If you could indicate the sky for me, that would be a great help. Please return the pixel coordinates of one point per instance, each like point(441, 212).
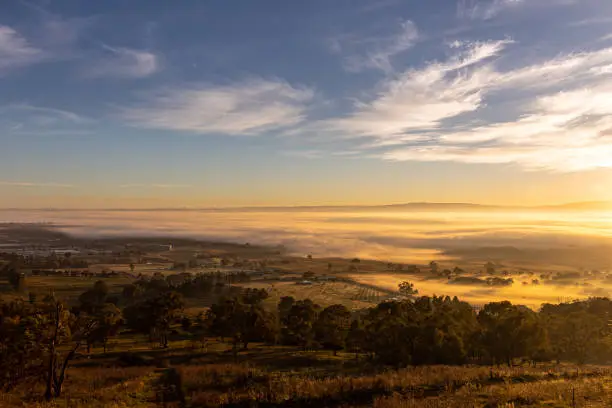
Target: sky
point(147, 104)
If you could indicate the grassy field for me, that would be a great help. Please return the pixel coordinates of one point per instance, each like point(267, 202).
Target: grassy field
point(69, 288)
point(529, 294)
point(353, 296)
point(145, 269)
point(323, 293)
point(186, 375)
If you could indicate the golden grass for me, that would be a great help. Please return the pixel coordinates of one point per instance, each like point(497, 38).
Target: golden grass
point(207, 381)
point(577, 393)
point(322, 293)
point(91, 387)
point(219, 385)
point(530, 295)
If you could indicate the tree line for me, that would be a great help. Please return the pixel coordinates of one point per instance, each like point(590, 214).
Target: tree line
point(39, 337)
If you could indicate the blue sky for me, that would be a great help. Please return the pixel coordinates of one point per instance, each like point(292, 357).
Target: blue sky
point(198, 103)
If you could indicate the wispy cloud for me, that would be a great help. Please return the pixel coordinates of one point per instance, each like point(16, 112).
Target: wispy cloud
point(568, 131)
point(34, 184)
point(26, 119)
point(484, 9)
point(246, 108)
point(423, 115)
point(58, 35)
point(45, 111)
point(382, 50)
point(375, 5)
point(420, 99)
point(488, 9)
point(162, 186)
point(552, 115)
point(16, 51)
point(124, 63)
point(591, 21)
point(307, 154)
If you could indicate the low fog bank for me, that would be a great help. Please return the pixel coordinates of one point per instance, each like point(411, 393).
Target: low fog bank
point(576, 239)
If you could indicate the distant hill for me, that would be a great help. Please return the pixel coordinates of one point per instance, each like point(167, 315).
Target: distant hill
point(412, 206)
point(428, 206)
point(581, 206)
point(442, 206)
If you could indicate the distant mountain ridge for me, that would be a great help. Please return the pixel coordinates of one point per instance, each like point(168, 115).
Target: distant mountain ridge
point(585, 205)
point(412, 206)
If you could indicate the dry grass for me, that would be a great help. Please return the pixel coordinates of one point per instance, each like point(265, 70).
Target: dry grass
point(576, 393)
point(70, 288)
point(91, 387)
point(209, 383)
point(324, 294)
point(235, 385)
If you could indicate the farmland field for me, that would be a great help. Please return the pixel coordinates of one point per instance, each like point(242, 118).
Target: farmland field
point(323, 293)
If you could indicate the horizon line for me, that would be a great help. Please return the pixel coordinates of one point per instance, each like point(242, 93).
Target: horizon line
point(338, 206)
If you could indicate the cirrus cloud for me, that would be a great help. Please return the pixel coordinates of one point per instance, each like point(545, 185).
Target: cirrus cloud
point(552, 115)
point(246, 108)
point(383, 49)
point(124, 63)
point(34, 184)
point(16, 51)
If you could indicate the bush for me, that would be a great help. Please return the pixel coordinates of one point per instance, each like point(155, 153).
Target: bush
point(130, 359)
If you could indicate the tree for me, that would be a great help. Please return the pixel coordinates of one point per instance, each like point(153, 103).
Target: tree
point(92, 300)
point(252, 296)
point(57, 329)
point(308, 275)
point(434, 330)
point(20, 353)
point(284, 308)
point(579, 331)
point(38, 342)
point(444, 330)
point(132, 267)
point(407, 289)
point(130, 292)
point(332, 326)
point(242, 322)
point(433, 265)
point(186, 323)
point(300, 323)
point(398, 322)
point(108, 321)
point(508, 331)
point(490, 268)
point(16, 279)
point(155, 315)
point(356, 338)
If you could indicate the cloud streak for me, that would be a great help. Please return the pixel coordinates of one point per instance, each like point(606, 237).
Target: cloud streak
point(484, 9)
point(60, 114)
point(16, 51)
point(34, 184)
point(554, 115)
point(247, 108)
point(488, 9)
point(24, 119)
point(383, 50)
point(124, 63)
point(420, 99)
point(162, 186)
